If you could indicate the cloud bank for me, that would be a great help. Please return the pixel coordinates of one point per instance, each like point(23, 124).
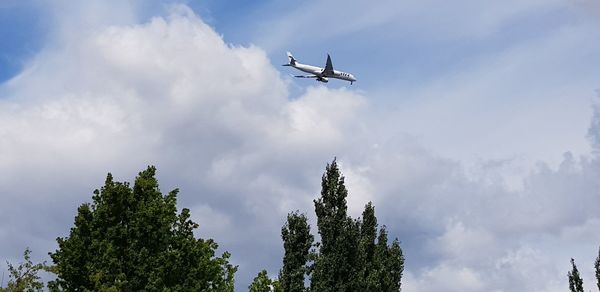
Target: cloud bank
point(219, 122)
point(215, 119)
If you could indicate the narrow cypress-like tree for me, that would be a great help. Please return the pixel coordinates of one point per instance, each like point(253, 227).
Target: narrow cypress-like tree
point(383, 279)
point(366, 247)
point(335, 266)
point(382, 264)
point(297, 242)
point(351, 255)
point(395, 265)
point(575, 281)
point(597, 267)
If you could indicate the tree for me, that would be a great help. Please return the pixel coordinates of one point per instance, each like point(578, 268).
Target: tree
point(25, 276)
point(366, 247)
point(575, 281)
point(597, 267)
point(389, 264)
point(395, 266)
point(262, 283)
point(297, 242)
point(351, 257)
point(132, 239)
point(382, 265)
point(335, 268)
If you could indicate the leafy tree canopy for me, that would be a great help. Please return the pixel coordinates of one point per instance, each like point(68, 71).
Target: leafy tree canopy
point(351, 255)
point(597, 268)
point(575, 281)
point(133, 239)
point(297, 242)
point(25, 276)
point(262, 283)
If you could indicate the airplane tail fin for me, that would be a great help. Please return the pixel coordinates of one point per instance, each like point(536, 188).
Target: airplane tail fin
point(291, 60)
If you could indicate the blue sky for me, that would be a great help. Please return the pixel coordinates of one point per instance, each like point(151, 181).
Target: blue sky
point(22, 34)
point(473, 126)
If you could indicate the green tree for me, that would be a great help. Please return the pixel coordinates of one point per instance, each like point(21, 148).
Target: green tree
point(389, 264)
point(351, 255)
point(25, 276)
point(597, 267)
point(297, 242)
point(382, 264)
point(132, 239)
point(335, 267)
point(262, 283)
point(395, 265)
point(575, 281)
point(366, 247)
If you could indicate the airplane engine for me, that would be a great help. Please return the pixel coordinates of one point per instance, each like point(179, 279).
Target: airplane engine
point(323, 79)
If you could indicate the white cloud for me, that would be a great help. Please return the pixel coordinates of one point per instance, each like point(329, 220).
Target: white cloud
point(215, 119)
point(218, 121)
point(492, 237)
point(446, 278)
point(510, 80)
point(460, 241)
point(526, 103)
point(213, 223)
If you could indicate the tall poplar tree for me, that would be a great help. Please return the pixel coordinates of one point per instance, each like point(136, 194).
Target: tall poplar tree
point(351, 256)
point(395, 265)
point(367, 276)
point(597, 268)
point(389, 263)
point(575, 281)
point(297, 242)
point(335, 268)
point(381, 264)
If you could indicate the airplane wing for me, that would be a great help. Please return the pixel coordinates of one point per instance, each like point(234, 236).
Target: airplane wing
point(328, 67)
point(318, 78)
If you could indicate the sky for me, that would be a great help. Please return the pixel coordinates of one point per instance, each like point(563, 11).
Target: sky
point(474, 128)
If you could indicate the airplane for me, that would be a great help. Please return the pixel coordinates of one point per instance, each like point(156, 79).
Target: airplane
point(320, 74)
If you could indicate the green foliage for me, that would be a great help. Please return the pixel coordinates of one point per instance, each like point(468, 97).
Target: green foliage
point(297, 241)
point(25, 276)
point(388, 265)
point(367, 276)
point(351, 257)
point(132, 239)
point(395, 266)
point(335, 268)
point(575, 281)
point(597, 267)
point(262, 283)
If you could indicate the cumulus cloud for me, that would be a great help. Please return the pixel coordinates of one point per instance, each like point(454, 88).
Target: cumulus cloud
point(219, 122)
point(215, 118)
point(446, 278)
point(492, 237)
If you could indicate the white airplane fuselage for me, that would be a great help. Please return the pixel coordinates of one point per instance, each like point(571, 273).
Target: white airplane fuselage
point(318, 70)
point(320, 74)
